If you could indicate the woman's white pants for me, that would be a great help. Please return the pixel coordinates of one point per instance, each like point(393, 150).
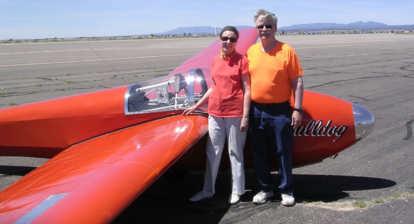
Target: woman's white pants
point(219, 129)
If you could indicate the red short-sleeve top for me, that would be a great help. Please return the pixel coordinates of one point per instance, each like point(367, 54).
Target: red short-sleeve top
point(226, 98)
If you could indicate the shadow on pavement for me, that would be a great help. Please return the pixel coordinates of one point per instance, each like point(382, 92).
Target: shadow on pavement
point(328, 188)
point(16, 170)
point(167, 202)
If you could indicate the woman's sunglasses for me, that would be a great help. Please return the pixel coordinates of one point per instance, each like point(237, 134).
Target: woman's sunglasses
point(232, 39)
point(267, 27)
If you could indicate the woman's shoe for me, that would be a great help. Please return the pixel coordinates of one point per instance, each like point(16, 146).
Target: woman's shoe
point(234, 198)
point(201, 195)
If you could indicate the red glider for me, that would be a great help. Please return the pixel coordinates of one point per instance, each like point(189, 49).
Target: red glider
point(107, 147)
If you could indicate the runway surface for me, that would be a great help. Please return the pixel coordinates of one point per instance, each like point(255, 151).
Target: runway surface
point(373, 70)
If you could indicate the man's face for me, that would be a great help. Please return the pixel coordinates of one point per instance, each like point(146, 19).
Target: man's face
point(266, 28)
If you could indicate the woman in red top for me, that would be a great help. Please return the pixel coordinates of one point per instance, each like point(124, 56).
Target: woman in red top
point(228, 106)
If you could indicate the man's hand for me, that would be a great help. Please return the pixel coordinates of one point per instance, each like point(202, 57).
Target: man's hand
point(296, 119)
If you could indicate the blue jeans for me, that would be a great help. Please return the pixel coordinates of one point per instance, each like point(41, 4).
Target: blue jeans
point(271, 123)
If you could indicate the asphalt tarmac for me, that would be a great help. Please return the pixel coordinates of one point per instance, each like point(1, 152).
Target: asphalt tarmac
point(370, 182)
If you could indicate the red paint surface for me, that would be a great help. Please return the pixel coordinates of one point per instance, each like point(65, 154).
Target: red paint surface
point(104, 175)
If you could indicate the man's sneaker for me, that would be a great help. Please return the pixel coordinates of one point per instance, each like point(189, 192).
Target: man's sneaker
point(201, 195)
point(262, 197)
point(234, 198)
point(288, 199)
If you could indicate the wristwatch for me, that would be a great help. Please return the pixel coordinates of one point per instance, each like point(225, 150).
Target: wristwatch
point(298, 110)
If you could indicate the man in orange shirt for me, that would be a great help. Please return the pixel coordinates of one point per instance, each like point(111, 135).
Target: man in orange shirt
point(275, 72)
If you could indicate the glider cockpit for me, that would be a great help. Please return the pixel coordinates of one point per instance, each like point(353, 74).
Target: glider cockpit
point(173, 92)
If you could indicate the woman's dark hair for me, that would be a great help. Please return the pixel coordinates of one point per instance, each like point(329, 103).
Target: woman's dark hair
point(230, 28)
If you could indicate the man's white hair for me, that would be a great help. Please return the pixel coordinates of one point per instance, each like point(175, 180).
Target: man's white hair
point(263, 13)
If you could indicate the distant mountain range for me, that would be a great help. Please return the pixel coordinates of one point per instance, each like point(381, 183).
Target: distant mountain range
point(351, 26)
point(299, 27)
point(198, 30)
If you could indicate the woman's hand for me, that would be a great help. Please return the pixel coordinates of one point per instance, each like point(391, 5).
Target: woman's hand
point(190, 110)
point(244, 124)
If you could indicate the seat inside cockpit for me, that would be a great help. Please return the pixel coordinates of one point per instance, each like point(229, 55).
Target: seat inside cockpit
point(172, 92)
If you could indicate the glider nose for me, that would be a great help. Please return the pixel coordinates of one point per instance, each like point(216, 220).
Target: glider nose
point(364, 121)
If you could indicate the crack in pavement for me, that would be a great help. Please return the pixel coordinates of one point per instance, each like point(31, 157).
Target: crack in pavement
point(409, 129)
point(42, 91)
point(353, 64)
point(410, 76)
point(18, 94)
point(47, 79)
point(360, 98)
point(392, 104)
point(346, 80)
point(404, 68)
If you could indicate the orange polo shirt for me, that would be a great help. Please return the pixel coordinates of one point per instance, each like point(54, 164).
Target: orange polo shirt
point(271, 72)
point(226, 99)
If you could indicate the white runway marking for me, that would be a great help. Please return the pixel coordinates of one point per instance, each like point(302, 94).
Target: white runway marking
point(93, 60)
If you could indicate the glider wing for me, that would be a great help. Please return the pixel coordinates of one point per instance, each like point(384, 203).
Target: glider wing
point(95, 180)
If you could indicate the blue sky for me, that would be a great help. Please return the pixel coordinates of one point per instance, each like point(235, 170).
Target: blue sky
point(20, 19)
